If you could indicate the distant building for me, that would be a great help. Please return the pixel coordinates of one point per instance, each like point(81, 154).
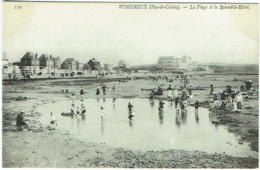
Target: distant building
point(108, 67)
point(46, 61)
point(122, 64)
point(94, 64)
point(4, 60)
point(30, 62)
point(79, 66)
point(69, 64)
point(30, 59)
point(87, 68)
point(171, 62)
point(65, 66)
point(56, 62)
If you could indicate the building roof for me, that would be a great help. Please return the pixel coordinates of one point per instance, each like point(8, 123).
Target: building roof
point(166, 57)
point(55, 58)
point(29, 55)
point(69, 60)
point(4, 57)
point(94, 61)
point(45, 56)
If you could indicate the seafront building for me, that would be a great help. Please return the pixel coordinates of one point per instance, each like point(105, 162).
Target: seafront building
point(174, 63)
point(123, 64)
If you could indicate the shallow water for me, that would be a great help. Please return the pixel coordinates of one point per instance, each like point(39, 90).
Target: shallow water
point(149, 131)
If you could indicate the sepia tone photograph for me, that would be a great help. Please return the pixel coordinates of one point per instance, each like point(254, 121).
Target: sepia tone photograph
point(130, 85)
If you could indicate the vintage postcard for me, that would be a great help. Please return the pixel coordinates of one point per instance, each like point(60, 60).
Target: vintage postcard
point(130, 85)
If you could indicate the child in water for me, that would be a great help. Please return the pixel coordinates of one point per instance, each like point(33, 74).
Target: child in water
point(72, 109)
point(53, 121)
point(131, 116)
point(114, 102)
point(83, 109)
point(130, 107)
point(196, 105)
point(78, 110)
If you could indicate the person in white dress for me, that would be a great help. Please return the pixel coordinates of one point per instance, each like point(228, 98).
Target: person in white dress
point(53, 121)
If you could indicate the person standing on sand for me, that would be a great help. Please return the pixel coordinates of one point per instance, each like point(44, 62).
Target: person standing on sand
point(239, 100)
point(211, 89)
point(81, 91)
point(53, 121)
point(114, 87)
point(104, 89)
point(98, 89)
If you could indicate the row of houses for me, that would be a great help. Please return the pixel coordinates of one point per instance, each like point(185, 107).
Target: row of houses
point(45, 63)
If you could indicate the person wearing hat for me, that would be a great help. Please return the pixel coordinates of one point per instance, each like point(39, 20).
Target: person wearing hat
point(20, 122)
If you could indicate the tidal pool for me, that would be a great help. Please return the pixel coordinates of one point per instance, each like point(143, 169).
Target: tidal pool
point(150, 130)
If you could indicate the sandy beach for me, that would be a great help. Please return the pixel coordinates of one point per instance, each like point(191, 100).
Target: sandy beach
point(40, 147)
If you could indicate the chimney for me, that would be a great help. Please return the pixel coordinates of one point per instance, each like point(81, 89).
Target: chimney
point(36, 55)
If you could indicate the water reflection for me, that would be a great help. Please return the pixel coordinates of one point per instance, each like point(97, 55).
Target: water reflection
point(184, 116)
point(152, 103)
point(83, 117)
point(177, 119)
point(102, 127)
point(197, 116)
point(98, 100)
point(104, 100)
point(78, 122)
point(161, 117)
point(139, 132)
point(212, 117)
point(114, 103)
point(130, 123)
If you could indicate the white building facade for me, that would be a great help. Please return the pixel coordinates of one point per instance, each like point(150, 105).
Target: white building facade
point(173, 63)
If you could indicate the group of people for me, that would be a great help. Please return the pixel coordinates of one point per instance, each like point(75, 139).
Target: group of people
point(104, 88)
point(229, 100)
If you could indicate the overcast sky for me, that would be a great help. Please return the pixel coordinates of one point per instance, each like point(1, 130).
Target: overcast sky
point(109, 34)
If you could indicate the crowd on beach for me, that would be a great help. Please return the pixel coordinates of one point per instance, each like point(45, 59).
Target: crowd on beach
point(228, 100)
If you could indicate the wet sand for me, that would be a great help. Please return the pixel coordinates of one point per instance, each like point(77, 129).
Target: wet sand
point(41, 147)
